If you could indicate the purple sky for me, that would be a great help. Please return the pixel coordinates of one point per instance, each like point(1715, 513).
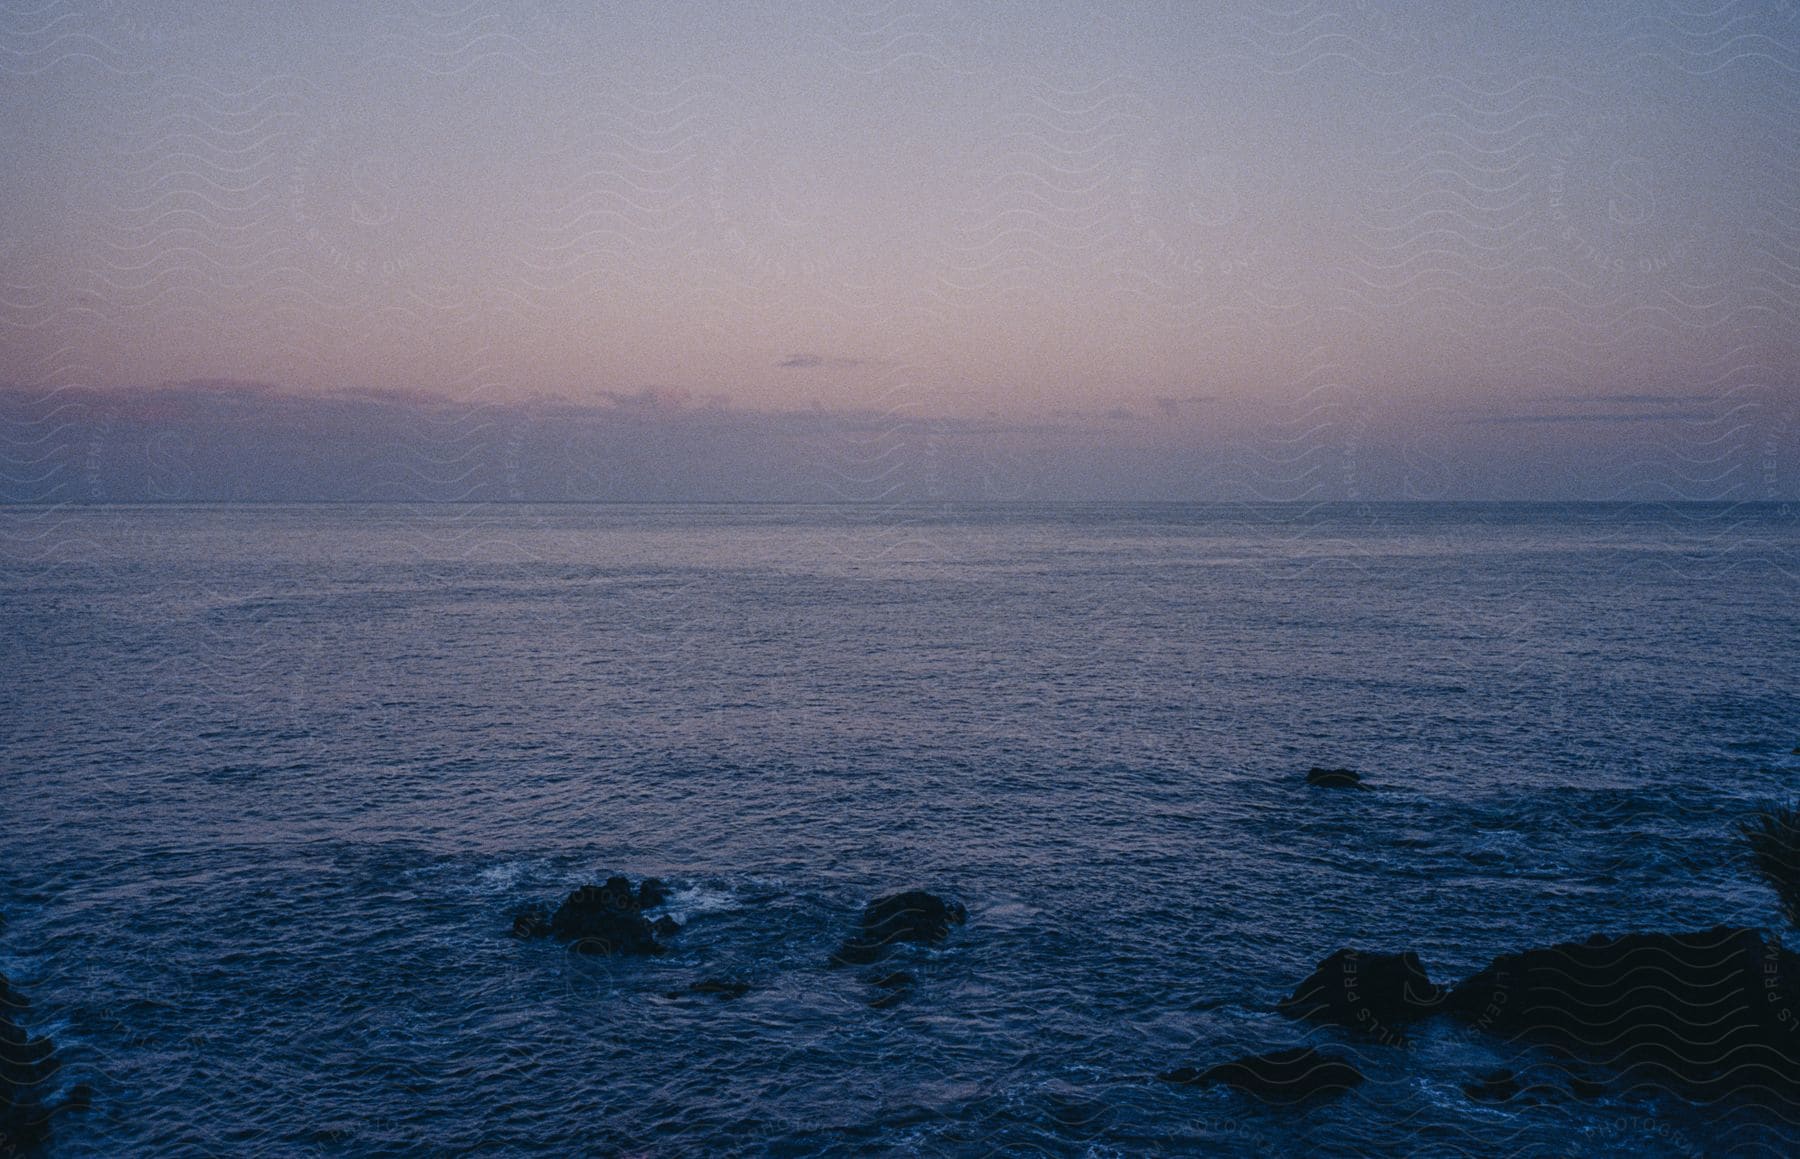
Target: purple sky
point(861, 250)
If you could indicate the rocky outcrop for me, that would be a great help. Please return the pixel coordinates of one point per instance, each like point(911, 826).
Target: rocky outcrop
point(1378, 994)
point(1333, 778)
point(607, 918)
point(28, 1064)
point(724, 989)
point(913, 916)
point(1284, 1076)
point(1718, 1008)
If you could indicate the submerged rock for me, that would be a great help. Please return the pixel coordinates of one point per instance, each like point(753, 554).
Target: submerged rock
point(1334, 778)
point(1376, 993)
point(1717, 1008)
point(895, 988)
point(1284, 1076)
point(603, 919)
point(724, 989)
point(913, 916)
point(1496, 1086)
point(27, 1065)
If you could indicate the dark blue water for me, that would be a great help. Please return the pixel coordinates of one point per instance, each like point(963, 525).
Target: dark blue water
point(275, 780)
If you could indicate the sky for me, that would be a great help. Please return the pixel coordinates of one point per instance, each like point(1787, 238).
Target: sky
point(909, 251)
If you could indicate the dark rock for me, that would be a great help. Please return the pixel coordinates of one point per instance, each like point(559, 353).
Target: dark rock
point(1375, 993)
point(1715, 1008)
point(913, 916)
point(11, 1001)
point(1285, 1076)
point(651, 893)
point(1334, 778)
point(1552, 1084)
point(532, 922)
point(721, 988)
point(604, 919)
point(1773, 837)
point(27, 1065)
point(618, 893)
point(1588, 1089)
point(1494, 1087)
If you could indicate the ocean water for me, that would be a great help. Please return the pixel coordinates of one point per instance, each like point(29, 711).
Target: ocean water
point(276, 779)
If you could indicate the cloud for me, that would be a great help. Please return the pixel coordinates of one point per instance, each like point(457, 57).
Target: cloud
point(1629, 399)
point(805, 361)
point(1169, 405)
point(1660, 416)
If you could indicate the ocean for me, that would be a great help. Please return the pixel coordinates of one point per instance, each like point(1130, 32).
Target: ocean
point(277, 778)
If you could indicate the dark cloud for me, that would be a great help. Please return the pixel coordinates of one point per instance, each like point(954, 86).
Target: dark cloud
point(804, 361)
point(1171, 405)
point(1660, 416)
point(1630, 399)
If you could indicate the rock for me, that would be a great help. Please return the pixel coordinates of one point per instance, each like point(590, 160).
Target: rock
point(1375, 993)
point(1772, 834)
point(27, 1065)
point(1285, 1076)
point(1715, 1008)
point(651, 893)
point(619, 894)
point(532, 922)
point(721, 988)
point(1553, 1084)
point(1334, 778)
point(604, 920)
point(1494, 1087)
point(1588, 1089)
point(601, 919)
point(913, 916)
